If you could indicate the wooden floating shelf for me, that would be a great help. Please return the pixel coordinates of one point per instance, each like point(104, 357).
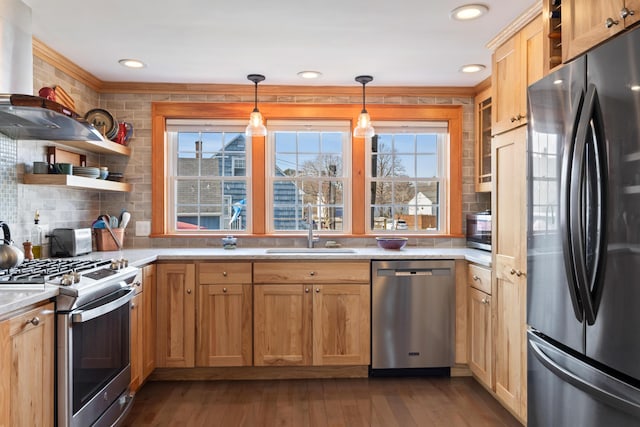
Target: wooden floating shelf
point(103, 147)
point(73, 181)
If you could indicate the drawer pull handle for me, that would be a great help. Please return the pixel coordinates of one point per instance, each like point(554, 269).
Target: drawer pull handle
point(484, 301)
point(610, 22)
point(224, 273)
point(475, 278)
point(624, 12)
point(35, 321)
point(189, 291)
point(224, 290)
point(313, 273)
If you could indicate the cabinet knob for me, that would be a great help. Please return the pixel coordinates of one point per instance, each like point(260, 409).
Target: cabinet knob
point(306, 290)
point(512, 272)
point(312, 273)
point(624, 12)
point(475, 278)
point(133, 305)
point(224, 290)
point(35, 321)
point(513, 119)
point(519, 273)
point(520, 117)
point(189, 291)
point(317, 290)
point(484, 301)
point(610, 22)
point(224, 273)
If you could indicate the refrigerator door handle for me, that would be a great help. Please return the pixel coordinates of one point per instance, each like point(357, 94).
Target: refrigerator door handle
point(587, 199)
point(565, 212)
point(586, 378)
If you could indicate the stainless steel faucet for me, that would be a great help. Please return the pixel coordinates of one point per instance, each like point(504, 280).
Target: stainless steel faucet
point(311, 239)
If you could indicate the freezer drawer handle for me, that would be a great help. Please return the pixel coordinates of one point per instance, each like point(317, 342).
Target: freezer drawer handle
point(612, 397)
point(414, 273)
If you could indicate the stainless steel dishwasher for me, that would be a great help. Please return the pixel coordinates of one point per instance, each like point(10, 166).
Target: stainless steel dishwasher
point(413, 316)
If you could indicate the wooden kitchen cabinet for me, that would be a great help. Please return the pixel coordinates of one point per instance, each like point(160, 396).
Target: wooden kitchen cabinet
point(311, 313)
point(483, 141)
point(224, 315)
point(517, 63)
point(27, 368)
point(143, 328)
point(149, 320)
point(136, 341)
point(508, 294)
point(480, 325)
point(587, 23)
point(176, 303)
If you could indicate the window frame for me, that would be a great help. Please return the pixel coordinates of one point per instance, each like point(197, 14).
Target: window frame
point(160, 111)
point(444, 175)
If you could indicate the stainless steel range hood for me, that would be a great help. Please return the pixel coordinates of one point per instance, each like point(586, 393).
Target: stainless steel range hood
point(33, 117)
point(27, 116)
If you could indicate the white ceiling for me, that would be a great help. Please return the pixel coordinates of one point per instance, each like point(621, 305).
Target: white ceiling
point(398, 42)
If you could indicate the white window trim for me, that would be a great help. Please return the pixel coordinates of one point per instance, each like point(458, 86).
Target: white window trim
point(315, 125)
point(443, 165)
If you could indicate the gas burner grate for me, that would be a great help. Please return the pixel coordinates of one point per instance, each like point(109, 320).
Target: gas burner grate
point(43, 270)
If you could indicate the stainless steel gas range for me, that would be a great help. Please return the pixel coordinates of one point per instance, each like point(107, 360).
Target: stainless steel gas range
point(92, 335)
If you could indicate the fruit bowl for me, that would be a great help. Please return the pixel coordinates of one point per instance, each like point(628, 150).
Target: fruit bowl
point(392, 242)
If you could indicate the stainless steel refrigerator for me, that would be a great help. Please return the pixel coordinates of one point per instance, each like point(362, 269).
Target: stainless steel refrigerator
point(583, 201)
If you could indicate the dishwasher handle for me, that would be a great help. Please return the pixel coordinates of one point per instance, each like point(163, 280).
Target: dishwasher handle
point(412, 272)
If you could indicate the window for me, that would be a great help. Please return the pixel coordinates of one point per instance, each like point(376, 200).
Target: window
point(208, 183)
point(408, 177)
point(213, 192)
point(307, 174)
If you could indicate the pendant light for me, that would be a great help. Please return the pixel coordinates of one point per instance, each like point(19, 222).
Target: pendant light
point(256, 123)
point(364, 128)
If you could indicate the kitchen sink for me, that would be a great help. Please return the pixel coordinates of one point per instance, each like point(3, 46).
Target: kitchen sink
point(310, 251)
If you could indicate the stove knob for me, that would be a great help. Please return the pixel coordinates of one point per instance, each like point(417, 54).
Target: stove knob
point(66, 280)
point(76, 277)
point(115, 265)
point(124, 262)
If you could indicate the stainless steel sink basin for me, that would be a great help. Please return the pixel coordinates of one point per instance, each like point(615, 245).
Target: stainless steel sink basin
point(310, 251)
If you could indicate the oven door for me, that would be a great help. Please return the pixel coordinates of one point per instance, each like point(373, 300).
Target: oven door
point(94, 367)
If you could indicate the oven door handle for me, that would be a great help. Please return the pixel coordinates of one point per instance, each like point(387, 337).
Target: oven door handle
point(80, 316)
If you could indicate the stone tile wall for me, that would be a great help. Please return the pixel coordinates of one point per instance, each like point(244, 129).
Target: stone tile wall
point(63, 207)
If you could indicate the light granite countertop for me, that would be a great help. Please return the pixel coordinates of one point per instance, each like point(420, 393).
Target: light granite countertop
point(14, 298)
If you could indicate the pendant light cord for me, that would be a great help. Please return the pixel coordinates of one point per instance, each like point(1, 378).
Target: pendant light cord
point(255, 98)
point(364, 110)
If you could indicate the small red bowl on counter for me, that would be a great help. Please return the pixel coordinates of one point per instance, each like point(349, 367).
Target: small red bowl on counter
point(392, 242)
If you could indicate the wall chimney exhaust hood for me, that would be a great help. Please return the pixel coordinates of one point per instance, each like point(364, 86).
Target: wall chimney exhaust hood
point(33, 117)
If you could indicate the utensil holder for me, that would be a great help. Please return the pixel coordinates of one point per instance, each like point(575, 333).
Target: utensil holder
point(104, 239)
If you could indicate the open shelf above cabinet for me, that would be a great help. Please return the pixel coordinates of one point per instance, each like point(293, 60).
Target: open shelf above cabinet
point(73, 181)
point(102, 147)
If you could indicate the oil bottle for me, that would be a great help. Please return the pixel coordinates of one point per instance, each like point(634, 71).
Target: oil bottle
point(36, 237)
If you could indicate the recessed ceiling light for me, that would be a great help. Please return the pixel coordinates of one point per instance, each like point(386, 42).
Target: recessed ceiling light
point(558, 82)
point(472, 68)
point(132, 63)
point(309, 74)
point(468, 11)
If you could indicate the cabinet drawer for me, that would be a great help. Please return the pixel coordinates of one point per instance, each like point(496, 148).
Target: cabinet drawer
point(224, 272)
point(479, 278)
point(311, 272)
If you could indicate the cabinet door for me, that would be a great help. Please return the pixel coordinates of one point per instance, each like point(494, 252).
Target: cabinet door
point(176, 315)
point(506, 83)
point(136, 335)
point(483, 141)
point(341, 326)
point(224, 325)
point(149, 321)
point(480, 342)
point(509, 260)
point(282, 325)
point(532, 46)
point(27, 368)
point(584, 24)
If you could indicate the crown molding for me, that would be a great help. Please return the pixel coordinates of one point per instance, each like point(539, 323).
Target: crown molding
point(507, 32)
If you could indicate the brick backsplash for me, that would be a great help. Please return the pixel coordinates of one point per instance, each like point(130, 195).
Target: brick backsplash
point(63, 207)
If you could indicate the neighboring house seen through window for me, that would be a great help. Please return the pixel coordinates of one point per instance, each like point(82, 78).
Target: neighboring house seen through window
point(207, 175)
point(408, 177)
point(307, 174)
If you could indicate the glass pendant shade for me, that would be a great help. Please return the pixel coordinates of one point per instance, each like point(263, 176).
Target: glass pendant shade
point(364, 128)
point(256, 125)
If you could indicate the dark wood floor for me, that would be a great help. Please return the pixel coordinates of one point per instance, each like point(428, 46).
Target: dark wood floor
point(404, 402)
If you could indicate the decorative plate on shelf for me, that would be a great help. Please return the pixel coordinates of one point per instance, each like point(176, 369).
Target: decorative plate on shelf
point(103, 121)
